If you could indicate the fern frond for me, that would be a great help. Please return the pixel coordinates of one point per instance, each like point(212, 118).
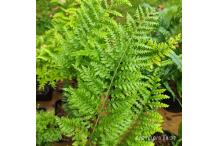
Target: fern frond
point(118, 89)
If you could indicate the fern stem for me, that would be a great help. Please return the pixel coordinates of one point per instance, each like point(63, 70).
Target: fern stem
point(107, 93)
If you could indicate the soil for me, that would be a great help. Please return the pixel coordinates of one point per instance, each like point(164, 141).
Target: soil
point(65, 140)
point(171, 120)
point(50, 105)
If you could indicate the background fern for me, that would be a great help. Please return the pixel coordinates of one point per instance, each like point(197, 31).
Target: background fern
point(47, 130)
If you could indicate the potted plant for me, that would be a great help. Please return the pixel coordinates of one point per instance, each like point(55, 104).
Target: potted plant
point(116, 65)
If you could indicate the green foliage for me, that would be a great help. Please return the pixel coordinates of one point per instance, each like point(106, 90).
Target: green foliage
point(43, 17)
point(170, 15)
point(171, 71)
point(74, 127)
point(171, 18)
point(46, 10)
point(49, 44)
point(117, 67)
point(170, 25)
point(47, 130)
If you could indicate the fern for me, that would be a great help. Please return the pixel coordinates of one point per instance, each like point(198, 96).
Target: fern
point(45, 11)
point(49, 45)
point(47, 130)
point(118, 91)
point(116, 66)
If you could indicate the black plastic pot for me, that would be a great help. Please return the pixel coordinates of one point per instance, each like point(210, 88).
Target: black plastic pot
point(41, 109)
point(44, 95)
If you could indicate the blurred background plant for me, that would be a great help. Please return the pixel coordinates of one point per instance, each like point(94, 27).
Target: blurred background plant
point(54, 20)
point(47, 129)
point(170, 25)
point(170, 13)
point(46, 10)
